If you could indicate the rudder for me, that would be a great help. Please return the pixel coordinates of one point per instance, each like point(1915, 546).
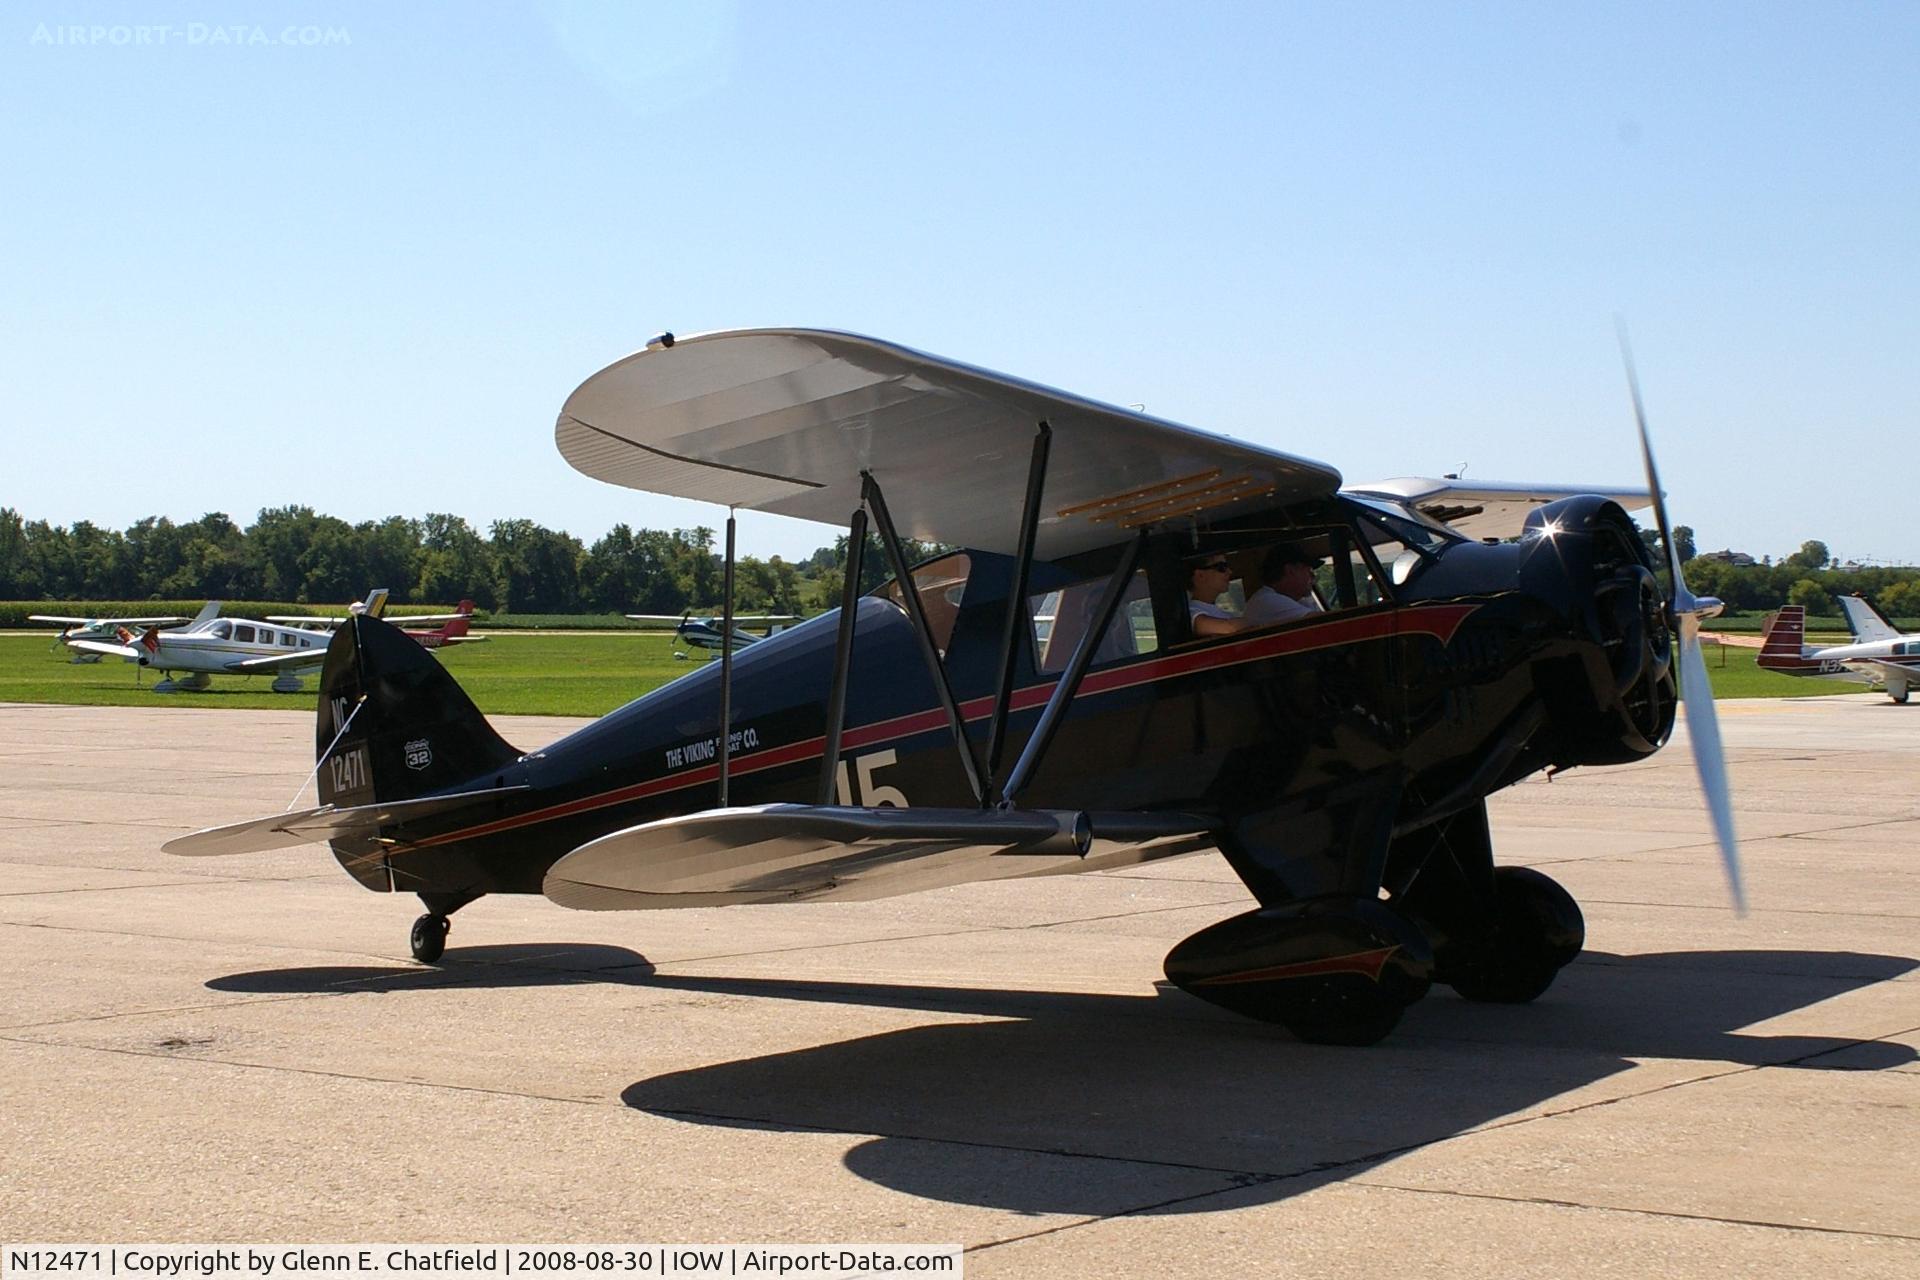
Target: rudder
point(1782, 642)
point(393, 725)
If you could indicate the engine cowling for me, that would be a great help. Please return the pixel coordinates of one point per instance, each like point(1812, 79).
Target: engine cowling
point(1616, 702)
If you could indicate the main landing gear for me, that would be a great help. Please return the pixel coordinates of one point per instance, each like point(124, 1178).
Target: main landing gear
point(1330, 970)
point(429, 937)
point(1341, 969)
point(1537, 931)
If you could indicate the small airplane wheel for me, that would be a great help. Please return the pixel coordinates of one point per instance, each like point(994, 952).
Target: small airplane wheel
point(1900, 696)
point(430, 937)
point(1539, 931)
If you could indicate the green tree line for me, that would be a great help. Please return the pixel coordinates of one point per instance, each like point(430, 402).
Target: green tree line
point(296, 554)
point(1810, 577)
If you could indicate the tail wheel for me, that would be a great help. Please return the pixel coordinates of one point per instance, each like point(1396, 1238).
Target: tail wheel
point(430, 937)
point(1538, 930)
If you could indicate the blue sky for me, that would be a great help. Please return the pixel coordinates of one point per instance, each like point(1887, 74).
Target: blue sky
point(360, 266)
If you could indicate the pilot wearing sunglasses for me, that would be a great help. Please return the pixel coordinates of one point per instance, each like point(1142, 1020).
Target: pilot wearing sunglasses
point(1207, 580)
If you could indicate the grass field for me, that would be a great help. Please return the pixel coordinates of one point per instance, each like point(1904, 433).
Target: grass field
point(526, 674)
point(572, 675)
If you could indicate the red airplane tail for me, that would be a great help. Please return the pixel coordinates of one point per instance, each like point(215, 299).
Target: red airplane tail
point(1783, 642)
point(455, 628)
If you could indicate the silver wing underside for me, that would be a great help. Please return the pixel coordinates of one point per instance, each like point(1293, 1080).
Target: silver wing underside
point(804, 853)
point(786, 420)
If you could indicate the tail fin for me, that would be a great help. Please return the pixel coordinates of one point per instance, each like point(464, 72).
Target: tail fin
point(393, 725)
point(1783, 641)
point(456, 628)
point(208, 612)
point(1865, 621)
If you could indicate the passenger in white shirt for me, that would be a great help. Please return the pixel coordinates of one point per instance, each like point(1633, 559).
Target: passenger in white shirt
point(1207, 581)
point(1287, 588)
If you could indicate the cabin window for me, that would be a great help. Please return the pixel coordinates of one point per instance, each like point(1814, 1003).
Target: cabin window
point(287, 642)
point(1329, 588)
point(1061, 617)
point(243, 634)
point(941, 585)
point(1402, 546)
point(307, 643)
point(222, 630)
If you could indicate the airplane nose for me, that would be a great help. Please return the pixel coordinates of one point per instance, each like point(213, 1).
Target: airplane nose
point(1616, 701)
point(1631, 624)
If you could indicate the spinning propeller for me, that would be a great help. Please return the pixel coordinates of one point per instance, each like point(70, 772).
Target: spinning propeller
point(1686, 612)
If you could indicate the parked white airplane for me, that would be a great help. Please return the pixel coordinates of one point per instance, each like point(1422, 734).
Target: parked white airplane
point(1878, 651)
point(224, 647)
point(101, 628)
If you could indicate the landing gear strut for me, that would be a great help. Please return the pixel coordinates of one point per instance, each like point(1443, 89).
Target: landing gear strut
point(429, 937)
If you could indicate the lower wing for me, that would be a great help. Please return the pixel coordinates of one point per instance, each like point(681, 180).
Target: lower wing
point(809, 853)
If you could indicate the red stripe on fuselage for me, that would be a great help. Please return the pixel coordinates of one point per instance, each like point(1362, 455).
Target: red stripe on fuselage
point(1439, 621)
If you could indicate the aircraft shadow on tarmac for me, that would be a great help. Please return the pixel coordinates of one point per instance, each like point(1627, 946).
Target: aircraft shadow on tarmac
point(1166, 1099)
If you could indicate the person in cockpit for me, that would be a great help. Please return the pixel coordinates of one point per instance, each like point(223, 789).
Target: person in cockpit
point(1286, 591)
point(1207, 580)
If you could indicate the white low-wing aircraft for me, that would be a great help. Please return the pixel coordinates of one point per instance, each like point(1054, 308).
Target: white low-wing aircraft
point(73, 628)
point(216, 646)
point(1878, 652)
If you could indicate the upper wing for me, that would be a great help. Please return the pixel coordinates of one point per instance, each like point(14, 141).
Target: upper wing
point(786, 420)
point(808, 853)
point(1484, 508)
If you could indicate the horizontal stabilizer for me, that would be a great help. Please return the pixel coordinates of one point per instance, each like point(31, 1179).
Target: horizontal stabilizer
point(808, 853)
point(307, 826)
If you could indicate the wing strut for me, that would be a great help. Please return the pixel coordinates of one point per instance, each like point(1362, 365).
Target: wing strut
point(1069, 685)
point(843, 655)
point(1017, 597)
point(726, 664)
point(910, 596)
